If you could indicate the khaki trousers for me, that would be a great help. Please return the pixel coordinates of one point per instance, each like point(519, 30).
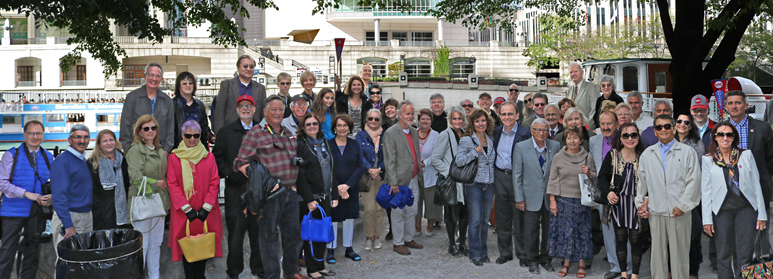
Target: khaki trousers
point(670, 234)
point(373, 218)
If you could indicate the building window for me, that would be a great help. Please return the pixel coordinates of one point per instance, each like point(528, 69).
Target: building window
point(462, 67)
point(370, 36)
point(421, 36)
point(133, 75)
point(81, 72)
point(26, 73)
point(400, 36)
point(418, 67)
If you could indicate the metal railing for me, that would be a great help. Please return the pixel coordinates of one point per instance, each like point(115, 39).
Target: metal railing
point(374, 43)
point(466, 44)
point(264, 43)
point(417, 43)
point(74, 83)
point(191, 40)
point(28, 83)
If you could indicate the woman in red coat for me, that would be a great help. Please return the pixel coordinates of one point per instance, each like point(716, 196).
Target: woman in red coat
point(193, 188)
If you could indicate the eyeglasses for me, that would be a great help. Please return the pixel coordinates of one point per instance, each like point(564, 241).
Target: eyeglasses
point(248, 66)
point(35, 135)
point(80, 137)
point(153, 76)
point(722, 135)
point(245, 106)
point(467, 105)
point(605, 85)
point(195, 136)
point(153, 128)
point(311, 124)
point(680, 121)
point(661, 127)
point(513, 90)
point(375, 92)
point(285, 83)
point(540, 104)
point(507, 113)
point(301, 104)
point(342, 126)
point(528, 100)
point(540, 130)
point(626, 136)
point(374, 119)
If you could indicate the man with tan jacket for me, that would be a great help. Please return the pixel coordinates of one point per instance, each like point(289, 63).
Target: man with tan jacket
point(583, 93)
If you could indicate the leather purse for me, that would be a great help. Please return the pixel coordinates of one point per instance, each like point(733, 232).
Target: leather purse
point(464, 174)
point(317, 230)
point(198, 247)
point(143, 207)
point(364, 183)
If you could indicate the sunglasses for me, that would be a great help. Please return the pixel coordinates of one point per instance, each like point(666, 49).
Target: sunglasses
point(528, 100)
point(195, 136)
point(467, 106)
point(374, 119)
point(540, 104)
point(606, 85)
point(284, 83)
point(722, 135)
point(626, 136)
point(513, 90)
point(661, 127)
point(312, 124)
point(680, 121)
point(153, 128)
point(375, 92)
point(508, 113)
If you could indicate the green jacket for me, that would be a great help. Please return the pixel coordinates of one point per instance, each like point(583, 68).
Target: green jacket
point(145, 162)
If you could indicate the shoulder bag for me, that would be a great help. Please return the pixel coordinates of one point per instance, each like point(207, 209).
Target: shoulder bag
point(588, 189)
point(144, 207)
point(317, 230)
point(760, 266)
point(198, 247)
point(464, 174)
point(445, 187)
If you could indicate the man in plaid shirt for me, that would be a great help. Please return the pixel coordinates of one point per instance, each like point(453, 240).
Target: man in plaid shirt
point(274, 146)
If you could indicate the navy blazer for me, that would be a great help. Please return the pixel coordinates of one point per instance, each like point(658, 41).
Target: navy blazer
point(521, 134)
point(369, 153)
point(349, 167)
point(760, 142)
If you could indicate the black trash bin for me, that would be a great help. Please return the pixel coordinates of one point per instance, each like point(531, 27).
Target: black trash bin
point(113, 254)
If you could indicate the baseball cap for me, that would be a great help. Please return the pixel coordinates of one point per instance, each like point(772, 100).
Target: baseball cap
point(484, 94)
point(499, 100)
point(699, 101)
point(300, 97)
point(245, 98)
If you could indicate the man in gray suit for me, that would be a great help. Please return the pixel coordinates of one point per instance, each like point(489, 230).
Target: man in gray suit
point(599, 146)
point(230, 91)
point(149, 99)
point(401, 145)
point(583, 93)
point(531, 170)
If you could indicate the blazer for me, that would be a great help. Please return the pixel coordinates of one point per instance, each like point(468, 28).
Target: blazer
point(137, 104)
point(521, 134)
point(348, 169)
point(531, 181)
point(587, 94)
point(467, 154)
point(398, 160)
point(226, 150)
point(443, 154)
point(682, 180)
point(760, 142)
point(595, 146)
point(714, 186)
point(225, 111)
point(368, 151)
point(342, 106)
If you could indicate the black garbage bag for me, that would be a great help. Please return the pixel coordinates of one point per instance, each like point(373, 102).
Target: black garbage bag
point(113, 254)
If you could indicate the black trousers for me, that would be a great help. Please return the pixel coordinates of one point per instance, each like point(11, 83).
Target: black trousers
point(315, 260)
point(735, 233)
point(238, 225)
point(456, 216)
point(509, 218)
point(194, 270)
point(29, 248)
point(536, 226)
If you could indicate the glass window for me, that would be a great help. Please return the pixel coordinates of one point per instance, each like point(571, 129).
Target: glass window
point(370, 36)
point(400, 36)
point(630, 78)
point(461, 67)
point(418, 67)
point(421, 36)
point(133, 74)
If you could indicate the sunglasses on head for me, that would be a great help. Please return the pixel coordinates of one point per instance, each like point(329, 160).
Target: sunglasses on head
point(153, 128)
point(680, 121)
point(195, 136)
point(723, 134)
point(661, 127)
point(633, 135)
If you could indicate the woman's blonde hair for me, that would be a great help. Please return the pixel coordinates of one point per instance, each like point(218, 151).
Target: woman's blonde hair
point(97, 154)
point(138, 126)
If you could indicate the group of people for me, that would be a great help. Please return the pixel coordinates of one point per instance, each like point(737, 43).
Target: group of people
point(334, 149)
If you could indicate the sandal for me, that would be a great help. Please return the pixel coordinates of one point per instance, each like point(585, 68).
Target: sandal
point(327, 273)
point(312, 277)
point(564, 270)
point(581, 272)
point(330, 259)
point(352, 255)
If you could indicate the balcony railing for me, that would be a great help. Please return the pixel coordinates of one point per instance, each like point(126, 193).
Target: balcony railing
point(191, 40)
point(29, 41)
point(466, 44)
point(374, 43)
point(28, 83)
point(74, 83)
point(417, 43)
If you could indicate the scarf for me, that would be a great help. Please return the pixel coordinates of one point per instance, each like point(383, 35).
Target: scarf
point(189, 156)
point(732, 167)
point(110, 175)
point(375, 135)
point(319, 146)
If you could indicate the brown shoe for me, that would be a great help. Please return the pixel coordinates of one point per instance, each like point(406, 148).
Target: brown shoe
point(296, 276)
point(400, 249)
point(414, 245)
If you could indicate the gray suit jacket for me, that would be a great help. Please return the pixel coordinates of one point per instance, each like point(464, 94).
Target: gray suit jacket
point(443, 154)
point(137, 104)
point(531, 181)
point(398, 160)
point(585, 99)
point(225, 110)
point(596, 146)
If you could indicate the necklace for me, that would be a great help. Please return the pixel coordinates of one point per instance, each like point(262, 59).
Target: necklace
point(425, 137)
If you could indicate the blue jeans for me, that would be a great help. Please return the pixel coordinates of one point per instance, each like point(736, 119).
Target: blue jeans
point(478, 197)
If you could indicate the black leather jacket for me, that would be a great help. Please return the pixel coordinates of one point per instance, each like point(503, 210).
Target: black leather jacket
point(257, 191)
point(179, 118)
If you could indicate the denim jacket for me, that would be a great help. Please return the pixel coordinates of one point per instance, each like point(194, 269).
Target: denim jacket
point(368, 151)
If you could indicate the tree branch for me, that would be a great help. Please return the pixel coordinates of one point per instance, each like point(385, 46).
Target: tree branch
point(725, 53)
point(665, 21)
point(713, 33)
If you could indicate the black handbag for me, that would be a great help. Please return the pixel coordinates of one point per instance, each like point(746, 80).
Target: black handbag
point(445, 188)
point(464, 174)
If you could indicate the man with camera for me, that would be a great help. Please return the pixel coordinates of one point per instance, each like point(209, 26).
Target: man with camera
point(273, 146)
point(23, 172)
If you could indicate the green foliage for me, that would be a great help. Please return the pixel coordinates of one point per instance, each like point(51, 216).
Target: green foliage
point(395, 69)
point(756, 45)
point(441, 61)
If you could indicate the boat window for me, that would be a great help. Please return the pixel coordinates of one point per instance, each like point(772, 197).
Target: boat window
point(630, 78)
point(660, 81)
point(610, 71)
point(593, 74)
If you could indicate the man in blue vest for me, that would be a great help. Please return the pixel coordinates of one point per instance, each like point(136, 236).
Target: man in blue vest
point(23, 170)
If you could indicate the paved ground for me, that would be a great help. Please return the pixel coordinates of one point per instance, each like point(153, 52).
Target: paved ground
point(431, 262)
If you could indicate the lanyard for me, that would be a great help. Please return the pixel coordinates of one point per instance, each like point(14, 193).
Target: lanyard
point(272, 130)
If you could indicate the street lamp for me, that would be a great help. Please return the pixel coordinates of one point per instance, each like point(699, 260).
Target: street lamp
point(472, 59)
point(332, 64)
point(262, 62)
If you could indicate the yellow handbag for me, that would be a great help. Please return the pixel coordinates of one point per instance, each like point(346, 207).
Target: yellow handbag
point(198, 247)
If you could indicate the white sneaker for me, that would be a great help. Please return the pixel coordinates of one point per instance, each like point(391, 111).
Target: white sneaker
point(416, 234)
point(377, 244)
point(369, 245)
